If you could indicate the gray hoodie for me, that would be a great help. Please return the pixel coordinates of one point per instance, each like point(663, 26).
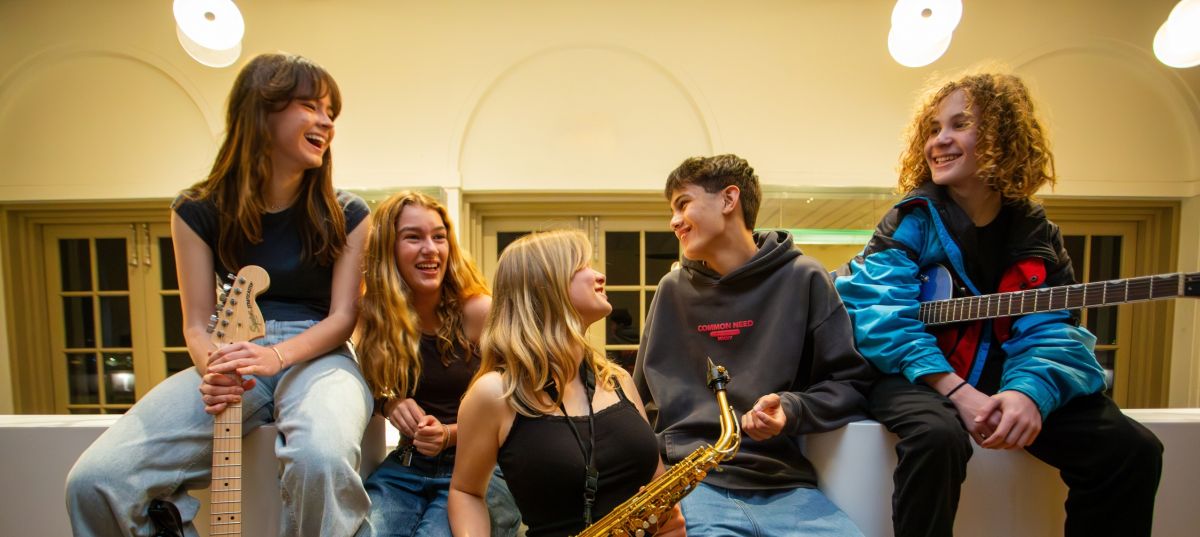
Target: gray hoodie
point(779, 327)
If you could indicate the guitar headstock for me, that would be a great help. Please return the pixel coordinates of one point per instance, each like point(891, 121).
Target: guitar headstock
point(238, 317)
point(1191, 284)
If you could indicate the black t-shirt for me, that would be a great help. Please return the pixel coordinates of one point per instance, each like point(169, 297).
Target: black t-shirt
point(300, 289)
point(992, 241)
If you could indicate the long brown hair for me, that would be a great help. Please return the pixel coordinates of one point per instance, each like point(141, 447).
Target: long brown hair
point(534, 331)
point(1012, 147)
point(235, 185)
point(389, 338)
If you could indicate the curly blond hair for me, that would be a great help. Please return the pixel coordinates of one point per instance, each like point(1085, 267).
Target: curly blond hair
point(389, 335)
point(1012, 147)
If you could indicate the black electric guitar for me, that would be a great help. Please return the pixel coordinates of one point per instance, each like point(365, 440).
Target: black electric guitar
point(237, 319)
point(937, 288)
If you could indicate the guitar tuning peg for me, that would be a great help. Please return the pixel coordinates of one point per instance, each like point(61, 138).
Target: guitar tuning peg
point(212, 319)
point(228, 312)
point(220, 333)
point(233, 301)
point(229, 276)
point(237, 290)
point(225, 288)
point(241, 280)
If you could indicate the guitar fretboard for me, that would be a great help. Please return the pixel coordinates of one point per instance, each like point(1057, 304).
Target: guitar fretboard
point(225, 517)
point(1083, 295)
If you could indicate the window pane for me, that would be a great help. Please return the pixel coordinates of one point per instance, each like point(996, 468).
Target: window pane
point(662, 249)
point(84, 410)
point(621, 252)
point(110, 265)
point(166, 268)
point(114, 321)
point(1106, 258)
point(172, 316)
point(1075, 245)
point(1103, 323)
point(118, 378)
point(82, 379)
point(75, 263)
point(623, 325)
point(177, 361)
point(79, 324)
point(505, 238)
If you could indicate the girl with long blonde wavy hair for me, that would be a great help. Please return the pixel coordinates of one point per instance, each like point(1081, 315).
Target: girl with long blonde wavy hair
point(423, 306)
point(560, 418)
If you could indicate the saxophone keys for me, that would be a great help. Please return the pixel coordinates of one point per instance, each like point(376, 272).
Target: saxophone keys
point(653, 519)
point(640, 533)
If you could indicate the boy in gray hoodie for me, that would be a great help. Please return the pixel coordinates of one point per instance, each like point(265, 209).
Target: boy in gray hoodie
point(754, 304)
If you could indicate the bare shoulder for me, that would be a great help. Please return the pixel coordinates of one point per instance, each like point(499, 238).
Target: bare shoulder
point(625, 380)
point(477, 308)
point(486, 392)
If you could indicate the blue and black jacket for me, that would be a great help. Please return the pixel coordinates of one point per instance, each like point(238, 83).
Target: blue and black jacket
point(1045, 356)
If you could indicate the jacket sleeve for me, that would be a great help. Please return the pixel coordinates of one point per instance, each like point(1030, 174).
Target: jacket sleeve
point(1050, 360)
point(881, 295)
point(639, 370)
point(834, 377)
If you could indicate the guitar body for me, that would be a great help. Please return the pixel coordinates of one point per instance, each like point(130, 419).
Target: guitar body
point(936, 284)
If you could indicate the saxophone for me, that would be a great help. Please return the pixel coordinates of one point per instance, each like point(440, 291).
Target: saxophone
point(639, 516)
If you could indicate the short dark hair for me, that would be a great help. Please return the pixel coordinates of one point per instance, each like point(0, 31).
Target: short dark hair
point(715, 173)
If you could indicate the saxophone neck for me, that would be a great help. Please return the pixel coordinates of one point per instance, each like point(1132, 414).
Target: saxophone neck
point(731, 428)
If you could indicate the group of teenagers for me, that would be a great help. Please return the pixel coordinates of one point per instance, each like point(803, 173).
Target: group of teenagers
point(509, 416)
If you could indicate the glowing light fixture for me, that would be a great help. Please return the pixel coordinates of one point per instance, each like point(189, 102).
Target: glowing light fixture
point(210, 31)
point(1177, 42)
point(922, 29)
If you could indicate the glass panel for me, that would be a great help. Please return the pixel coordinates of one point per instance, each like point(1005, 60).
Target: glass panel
point(1105, 264)
point(84, 410)
point(621, 251)
point(75, 262)
point(172, 318)
point(1075, 245)
point(623, 326)
point(1106, 258)
point(661, 250)
point(505, 238)
point(624, 358)
point(114, 321)
point(80, 325)
point(83, 385)
point(166, 266)
point(116, 410)
point(1103, 323)
point(111, 265)
point(118, 378)
point(177, 361)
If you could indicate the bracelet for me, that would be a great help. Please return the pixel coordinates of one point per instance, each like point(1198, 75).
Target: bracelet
point(956, 388)
point(445, 437)
point(279, 355)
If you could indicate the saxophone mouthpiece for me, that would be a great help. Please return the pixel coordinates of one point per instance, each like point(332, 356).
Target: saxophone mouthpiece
point(718, 376)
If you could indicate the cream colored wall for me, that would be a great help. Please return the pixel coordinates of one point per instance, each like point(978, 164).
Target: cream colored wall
point(97, 100)
point(1185, 354)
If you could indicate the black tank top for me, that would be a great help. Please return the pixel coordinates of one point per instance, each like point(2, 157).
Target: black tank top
point(442, 386)
point(544, 467)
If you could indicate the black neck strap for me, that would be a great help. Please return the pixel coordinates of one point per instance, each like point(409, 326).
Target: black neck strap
point(591, 476)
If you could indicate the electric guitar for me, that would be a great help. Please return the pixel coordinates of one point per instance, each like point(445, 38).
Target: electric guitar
point(237, 318)
point(937, 288)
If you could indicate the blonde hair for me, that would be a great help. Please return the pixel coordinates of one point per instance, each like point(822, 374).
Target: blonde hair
point(533, 331)
point(1012, 148)
point(389, 338)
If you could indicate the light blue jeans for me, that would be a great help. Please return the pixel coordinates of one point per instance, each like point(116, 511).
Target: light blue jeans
point(163, 447)
point(410, 501)
point(720, 512)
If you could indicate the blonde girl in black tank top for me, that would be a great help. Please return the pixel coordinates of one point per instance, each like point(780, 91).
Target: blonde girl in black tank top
point(423, 307)
point(546, 296)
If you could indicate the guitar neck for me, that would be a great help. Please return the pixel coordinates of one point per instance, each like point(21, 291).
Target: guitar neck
point(1067, 297)
point(225, 516)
